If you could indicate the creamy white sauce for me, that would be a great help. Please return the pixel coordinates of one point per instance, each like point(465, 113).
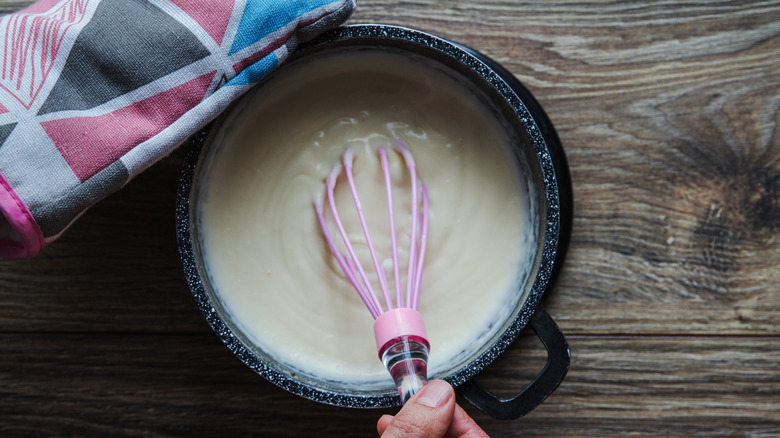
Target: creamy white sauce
point(265, 254)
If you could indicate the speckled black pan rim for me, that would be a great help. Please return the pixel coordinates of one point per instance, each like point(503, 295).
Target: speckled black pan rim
point(377, 35)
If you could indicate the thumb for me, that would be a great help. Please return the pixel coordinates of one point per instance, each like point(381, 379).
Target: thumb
point(427, 414)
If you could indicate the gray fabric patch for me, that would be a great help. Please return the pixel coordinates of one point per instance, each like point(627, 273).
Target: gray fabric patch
point(34, 167)
point(327, 22)
point(5, 131)
point(55, 216)
point(127, 44)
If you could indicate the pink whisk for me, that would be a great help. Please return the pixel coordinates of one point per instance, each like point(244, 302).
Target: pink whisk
point(399, 332)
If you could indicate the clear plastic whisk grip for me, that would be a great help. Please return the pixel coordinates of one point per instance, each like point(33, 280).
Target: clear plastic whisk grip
point(407, 362)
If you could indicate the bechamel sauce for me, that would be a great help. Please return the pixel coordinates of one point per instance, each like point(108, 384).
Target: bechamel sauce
point(265, 254)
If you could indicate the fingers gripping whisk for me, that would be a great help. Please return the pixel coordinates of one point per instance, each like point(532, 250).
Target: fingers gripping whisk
point(398, 328)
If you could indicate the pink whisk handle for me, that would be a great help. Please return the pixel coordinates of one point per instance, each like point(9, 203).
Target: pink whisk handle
point(403, 348)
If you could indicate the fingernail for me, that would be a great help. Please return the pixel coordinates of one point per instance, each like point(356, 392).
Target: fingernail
point(435, 394)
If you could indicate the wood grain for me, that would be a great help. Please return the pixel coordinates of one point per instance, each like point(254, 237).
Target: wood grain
point(184, 385)
point(670, 296)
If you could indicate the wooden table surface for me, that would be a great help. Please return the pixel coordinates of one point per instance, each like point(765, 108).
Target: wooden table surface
point(670, 297)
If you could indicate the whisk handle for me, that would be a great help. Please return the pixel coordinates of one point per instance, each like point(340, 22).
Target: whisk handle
point(558, 360)
point(403, 349)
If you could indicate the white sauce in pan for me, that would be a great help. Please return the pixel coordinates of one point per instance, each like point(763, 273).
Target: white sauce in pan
point(265, 254)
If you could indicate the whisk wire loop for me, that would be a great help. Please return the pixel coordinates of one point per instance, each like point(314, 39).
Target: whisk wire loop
point(347, 266)
point(349, 158)
point(363, 288)
point(423, 244)
point(349, 261)
point(391, 219)
point(412, 290)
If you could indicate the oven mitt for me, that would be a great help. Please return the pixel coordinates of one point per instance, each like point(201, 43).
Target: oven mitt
point(92, 92)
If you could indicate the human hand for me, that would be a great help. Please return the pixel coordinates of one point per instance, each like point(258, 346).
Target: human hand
point(431, 413)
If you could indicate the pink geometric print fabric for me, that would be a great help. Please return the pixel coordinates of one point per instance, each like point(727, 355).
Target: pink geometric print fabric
point(32, 40)
point(212, 17)
point(87, 146)
point(92, 92)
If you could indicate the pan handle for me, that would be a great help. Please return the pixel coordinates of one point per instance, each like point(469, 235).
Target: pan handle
point(558, 359)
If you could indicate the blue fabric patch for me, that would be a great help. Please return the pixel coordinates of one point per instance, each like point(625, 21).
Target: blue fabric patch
point(262, 17)
point(256, 71)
